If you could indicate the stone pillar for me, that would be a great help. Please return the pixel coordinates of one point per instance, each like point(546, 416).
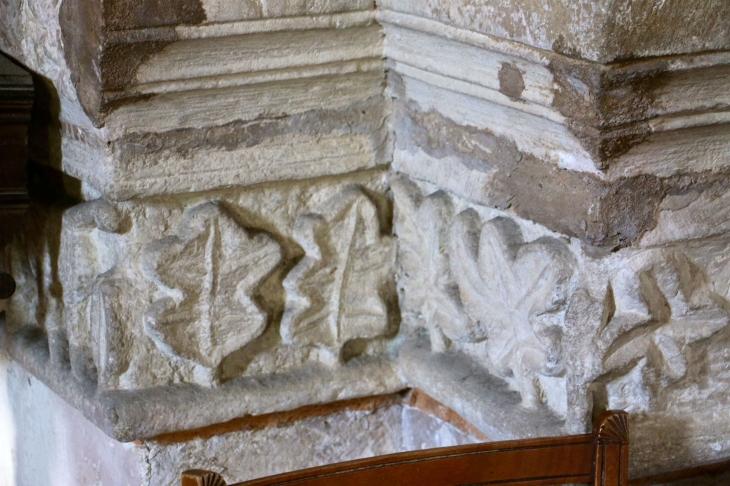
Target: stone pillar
point(561, 196)
point(224, 247)
point(242, 208)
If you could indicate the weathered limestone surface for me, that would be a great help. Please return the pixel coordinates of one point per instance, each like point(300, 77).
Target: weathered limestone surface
point(603, 30)
point(275, 281)
point(560, 215)
point(157, 98)
point(643, 329)
point(519, 208)
point(602, 146)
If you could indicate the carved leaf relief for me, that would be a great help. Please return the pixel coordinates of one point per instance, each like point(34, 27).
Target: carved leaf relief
point(90, 252)
point(429, 289)
point(513, 290)
point(86, 246)
point(681, 310)
point(206, 274)
point(336, 291)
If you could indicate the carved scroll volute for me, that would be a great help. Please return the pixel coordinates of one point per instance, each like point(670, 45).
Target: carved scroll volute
point(612, 449)
point(199, 477)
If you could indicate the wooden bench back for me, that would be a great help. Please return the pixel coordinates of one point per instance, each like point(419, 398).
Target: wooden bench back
point(600, 458)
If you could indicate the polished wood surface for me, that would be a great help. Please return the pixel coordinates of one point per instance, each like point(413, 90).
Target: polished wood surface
point(16, 103)
point(600, 458)
point(714, 474)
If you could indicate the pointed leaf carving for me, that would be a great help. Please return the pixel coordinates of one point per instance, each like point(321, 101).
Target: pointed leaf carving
point(335, 293)
point(206, 274)
point(681, 311)
point(511, 288)
point(429, 288)
point(89, 253)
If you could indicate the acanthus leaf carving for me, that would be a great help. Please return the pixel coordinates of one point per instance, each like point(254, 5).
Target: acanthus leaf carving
point(513, 290)
point(429, 289)
point(335, 293)
point(206, 274)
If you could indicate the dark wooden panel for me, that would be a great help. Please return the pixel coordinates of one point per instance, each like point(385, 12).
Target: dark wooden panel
point(16, 103)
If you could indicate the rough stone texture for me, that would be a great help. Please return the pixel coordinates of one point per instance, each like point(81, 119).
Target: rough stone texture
point(640, 329)
point(492, 170)
point(613, 120)
point(220, 292)
point(337, 298)
point(244, 152)
point(609, 179)
point(226, 243)
point(208, 275)
point(603, 31)
point(114, 46)
point(153, 100)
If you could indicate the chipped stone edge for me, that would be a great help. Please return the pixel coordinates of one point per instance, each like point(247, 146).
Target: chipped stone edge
point(527, 52)
point(136, 415)
point(541, 59)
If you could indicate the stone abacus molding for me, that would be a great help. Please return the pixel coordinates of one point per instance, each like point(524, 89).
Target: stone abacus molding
point(179, 96)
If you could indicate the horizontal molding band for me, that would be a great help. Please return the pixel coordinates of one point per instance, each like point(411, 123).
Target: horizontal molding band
point(250, 78)
point(133, 415)
point(344, 20)
point(535, 54)
point(663, 123)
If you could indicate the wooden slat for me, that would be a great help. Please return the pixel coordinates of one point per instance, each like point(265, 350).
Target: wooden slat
point(600, 458)
point(525, 462)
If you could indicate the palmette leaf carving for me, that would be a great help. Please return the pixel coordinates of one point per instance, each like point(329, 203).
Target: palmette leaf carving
point(511, 289)
point(336, 292)
point(206, 275)
point(429, 289)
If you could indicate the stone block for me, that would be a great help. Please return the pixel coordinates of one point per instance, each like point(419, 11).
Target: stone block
point(206, 289)
point(558, 227)
point(609, 132)
point(155, 99)
point(529, 316)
